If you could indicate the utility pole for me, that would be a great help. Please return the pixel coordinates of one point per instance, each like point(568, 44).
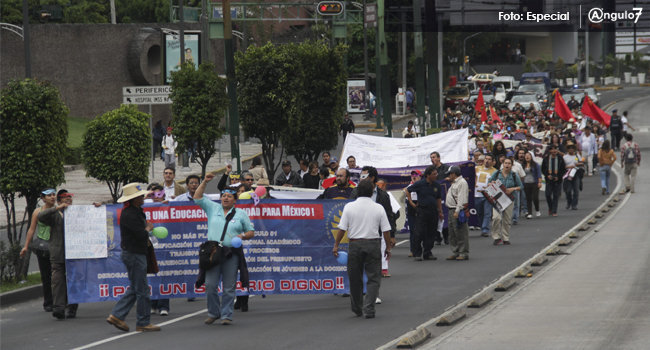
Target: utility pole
point(365, 64)
point(181, 36)
point(383, 67)
point(26, 41)
point(378, 75)
point(232, 87)
point(205, 31)
point(113, 20)
point(432, 62)
point(420, 94)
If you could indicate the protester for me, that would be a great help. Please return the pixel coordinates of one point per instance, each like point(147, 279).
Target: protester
point(411, 213)
point(483, 207)
point(347, 126)
point(225, 222)
point(571, 184)
point(54, 217)
point(501, 220)
point(553, 169)
point(457, 202)
point(363, 219)
point(441, 234)
point(169, 144)
point(158, 133)
point(304, 168)
point(172, 189)
point(311, 179)
point(532, 183)
point(409, 131)
point(257, 169)
point(326, 159)
point(606, 158)
point(616, 129)
point(395, 207)
point(588, 148)
point(41, 246)
point(156, 194)
point(288, 177)
point(134, 231)
point(429, 212)
point(342, 190)
point(192, 183)
point(630, 161)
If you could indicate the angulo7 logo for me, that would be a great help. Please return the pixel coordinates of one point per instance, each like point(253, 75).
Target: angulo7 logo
point(597, 15)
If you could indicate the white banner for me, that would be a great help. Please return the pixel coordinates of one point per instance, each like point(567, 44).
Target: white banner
point(384, 152)
point(85, 232)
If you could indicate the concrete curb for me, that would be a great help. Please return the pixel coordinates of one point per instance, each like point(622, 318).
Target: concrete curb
point(509, 276)
point(21, 295)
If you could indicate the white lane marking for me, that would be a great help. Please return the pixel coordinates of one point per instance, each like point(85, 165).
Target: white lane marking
point(401, 242)
point(107, 340)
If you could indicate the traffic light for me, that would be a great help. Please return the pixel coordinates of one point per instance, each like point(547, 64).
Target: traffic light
point(466, 59)
point(330, 8)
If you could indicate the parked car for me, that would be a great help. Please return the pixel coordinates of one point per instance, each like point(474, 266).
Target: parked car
point(538, 89)
point(536, 78)
point(454, 95)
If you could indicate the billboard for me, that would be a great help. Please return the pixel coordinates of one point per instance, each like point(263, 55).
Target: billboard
point(173, 52)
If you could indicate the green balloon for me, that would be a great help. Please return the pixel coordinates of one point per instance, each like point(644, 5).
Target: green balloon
point(160, 232)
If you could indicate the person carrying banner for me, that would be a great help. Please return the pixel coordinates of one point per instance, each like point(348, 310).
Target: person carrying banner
point(134, 231)
point(363, 219)
point(222, 230)
point(54, 217)
point(41, 249)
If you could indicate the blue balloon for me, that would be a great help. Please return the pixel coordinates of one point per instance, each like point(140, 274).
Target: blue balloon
point(235, 242)
point(342, 258)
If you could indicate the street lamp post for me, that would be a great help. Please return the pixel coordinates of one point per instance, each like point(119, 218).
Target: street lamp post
point(465, 65)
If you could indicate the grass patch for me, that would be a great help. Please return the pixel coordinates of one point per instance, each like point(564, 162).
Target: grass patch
point(76, 129)
point(32, 279)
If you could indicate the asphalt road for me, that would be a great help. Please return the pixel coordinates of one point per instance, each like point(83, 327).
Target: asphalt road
point(417, 292)
point(594, 298)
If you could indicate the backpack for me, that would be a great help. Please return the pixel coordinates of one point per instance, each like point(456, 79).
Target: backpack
point(629, 155)
point(616, 124)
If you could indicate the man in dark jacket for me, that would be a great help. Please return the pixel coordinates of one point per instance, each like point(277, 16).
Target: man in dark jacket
point(288, 177)
point(54, 217)
point(134, 233)
point(379, 196)
point(553, 169)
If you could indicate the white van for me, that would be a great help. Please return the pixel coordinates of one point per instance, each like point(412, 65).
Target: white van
point(507, 81)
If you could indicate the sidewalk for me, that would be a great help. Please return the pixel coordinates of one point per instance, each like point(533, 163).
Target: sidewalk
point(88, 190)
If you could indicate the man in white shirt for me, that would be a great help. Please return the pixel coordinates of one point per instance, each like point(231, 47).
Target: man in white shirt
point(172, 189)
point(169, 144)
point(363, 219)
point(589, 147)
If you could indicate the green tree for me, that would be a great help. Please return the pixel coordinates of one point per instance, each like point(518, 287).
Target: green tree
point(34, 132)
point(320, 81)
point(560, 69)
point(116, 148)
point(199, 104)
point(265, 94)
point(528, 66)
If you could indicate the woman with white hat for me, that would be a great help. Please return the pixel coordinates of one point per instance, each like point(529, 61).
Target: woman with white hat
point(134, 231)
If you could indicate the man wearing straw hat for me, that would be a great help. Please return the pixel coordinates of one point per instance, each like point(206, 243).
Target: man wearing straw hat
point(134, 231)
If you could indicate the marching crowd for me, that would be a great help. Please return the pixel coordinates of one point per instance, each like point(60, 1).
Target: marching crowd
point(524, 150)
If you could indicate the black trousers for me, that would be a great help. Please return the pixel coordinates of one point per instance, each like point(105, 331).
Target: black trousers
point(427, 228)
point(44, 266)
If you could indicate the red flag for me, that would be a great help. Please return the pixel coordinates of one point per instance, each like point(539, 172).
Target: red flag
point(494, 115)
point(480, 106)
point(561, 109)
point(591, 110)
